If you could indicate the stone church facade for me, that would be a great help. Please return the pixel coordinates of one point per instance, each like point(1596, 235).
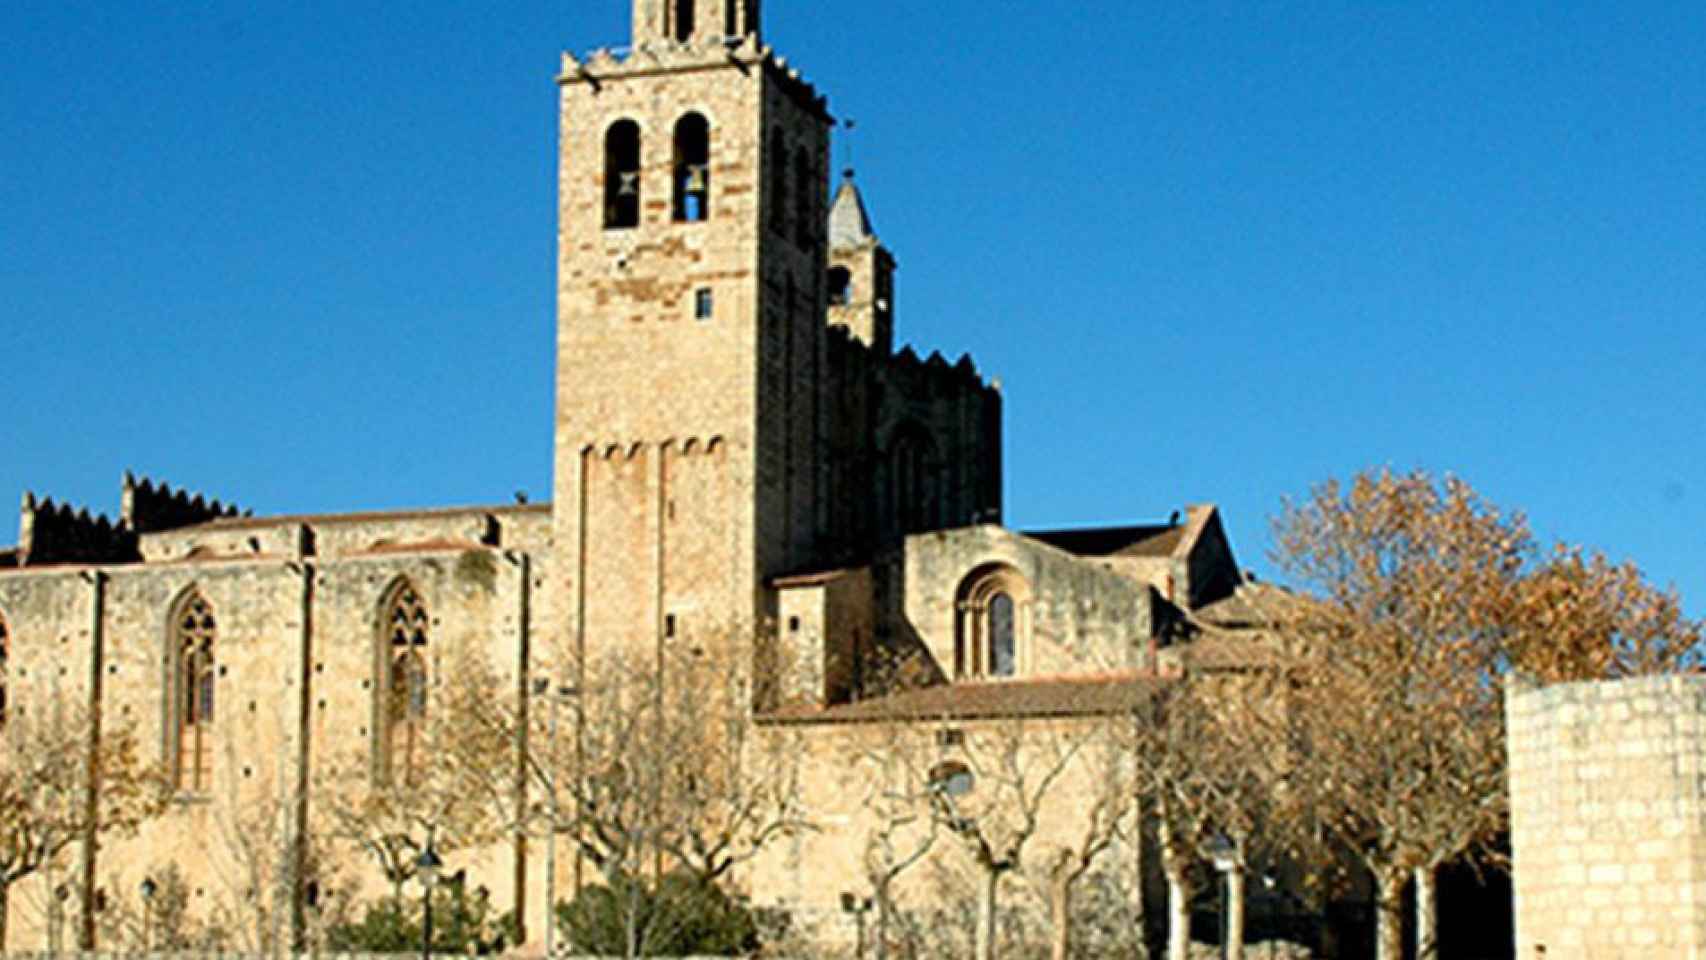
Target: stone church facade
point(737, 439)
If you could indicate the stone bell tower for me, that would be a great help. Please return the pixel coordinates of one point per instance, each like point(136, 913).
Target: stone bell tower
point(689, 453)
point(694, 21)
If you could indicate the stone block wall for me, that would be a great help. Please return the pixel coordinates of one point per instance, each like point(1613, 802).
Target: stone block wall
point(1608, 818)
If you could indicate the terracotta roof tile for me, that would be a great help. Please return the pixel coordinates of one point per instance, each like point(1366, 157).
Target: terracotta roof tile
point(811, 579)
point(1139, 541)
point(241, 523)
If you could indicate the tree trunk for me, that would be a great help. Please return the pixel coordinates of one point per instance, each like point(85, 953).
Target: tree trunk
point(1389, 914)
point(882, 932)
point(986, 916)
point(1427, 914)
point(1060, 911)
point(1178, 897)
point(1235, 914)
point(1139, 909)
point(1178, 916)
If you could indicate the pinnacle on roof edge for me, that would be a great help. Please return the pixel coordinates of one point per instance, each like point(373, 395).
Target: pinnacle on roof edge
point(849, 221)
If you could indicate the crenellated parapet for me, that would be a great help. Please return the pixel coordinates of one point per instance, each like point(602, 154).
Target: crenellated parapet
point(150, 507)
point(50, 532)
point(608, 64)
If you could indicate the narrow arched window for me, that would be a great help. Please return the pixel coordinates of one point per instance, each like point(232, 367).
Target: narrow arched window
point(1001, 640)
point(195, 635)
point(840, 286)
point(778, 181)
point(990, 623)
point(692, 169)
point(805, 199)
point(404, 682)
point(684, 20)
point(622, 175)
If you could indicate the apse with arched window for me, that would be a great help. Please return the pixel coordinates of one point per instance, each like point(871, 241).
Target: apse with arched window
point(622, 175)
point(692, 169)
point(404, 687)
point(195, 634)
point(989, 625)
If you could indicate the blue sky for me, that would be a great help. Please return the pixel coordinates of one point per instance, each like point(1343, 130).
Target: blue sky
point(300, 255)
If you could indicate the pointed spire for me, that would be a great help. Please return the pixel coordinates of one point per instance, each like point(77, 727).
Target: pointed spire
point(849, 223)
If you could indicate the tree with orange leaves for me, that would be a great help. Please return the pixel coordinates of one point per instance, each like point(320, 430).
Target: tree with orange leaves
point(1419, 595)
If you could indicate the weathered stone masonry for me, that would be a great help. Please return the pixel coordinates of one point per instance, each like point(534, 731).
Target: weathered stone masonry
point(1608, 818)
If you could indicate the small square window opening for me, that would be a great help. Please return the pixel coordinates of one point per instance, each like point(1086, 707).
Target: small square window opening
point(703, 306)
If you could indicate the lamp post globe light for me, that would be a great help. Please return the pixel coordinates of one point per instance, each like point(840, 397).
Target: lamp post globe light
point(148, 889)
point(426, 868)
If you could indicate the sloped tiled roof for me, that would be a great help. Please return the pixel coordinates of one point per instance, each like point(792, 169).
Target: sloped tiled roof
point(814, 578)
point(1140, 541)
point(240, 523)
point(1070, 696)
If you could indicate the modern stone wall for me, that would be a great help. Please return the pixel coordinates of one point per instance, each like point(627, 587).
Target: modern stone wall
point(1607, 818)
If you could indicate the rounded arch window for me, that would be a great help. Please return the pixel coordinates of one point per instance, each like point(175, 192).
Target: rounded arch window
point(840, 286)
point(684, 20)
point(692, 176)
point(622, 175)
point(992, 628)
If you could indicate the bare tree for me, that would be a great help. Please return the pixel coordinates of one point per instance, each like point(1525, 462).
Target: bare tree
point(1106, 805)
point(900, 799)
point(666, 771)
point(1207, 767)
point(50, 752)
point(992, 794)
point(391, 808)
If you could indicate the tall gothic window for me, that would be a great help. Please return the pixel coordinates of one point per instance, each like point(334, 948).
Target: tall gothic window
point(404, 686)
point(692, 168)
point(622, 175)
point(989, 623)
point(195, 634)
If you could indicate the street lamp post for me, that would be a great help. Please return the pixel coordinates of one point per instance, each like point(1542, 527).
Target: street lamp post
point(311, 906)
point(558, 695)
point(1224, 853)
point(148, 889)
point(426, 868)
point(61, 893)
point(851, 903)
